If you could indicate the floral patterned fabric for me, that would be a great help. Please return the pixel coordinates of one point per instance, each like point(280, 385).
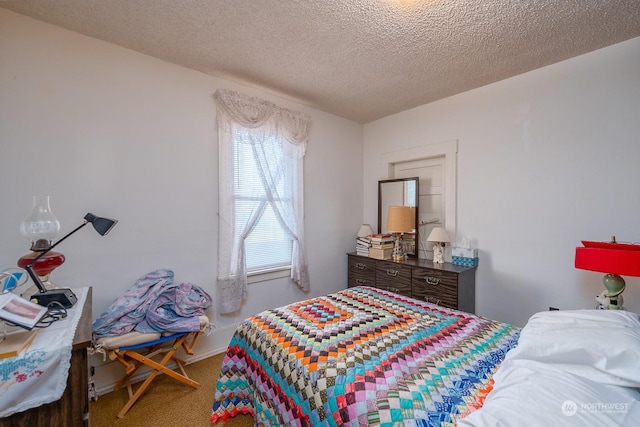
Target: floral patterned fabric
point(38, 375)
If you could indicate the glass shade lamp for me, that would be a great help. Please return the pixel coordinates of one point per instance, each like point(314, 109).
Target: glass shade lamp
point(440, 238)
point(400, 219)
point(41, 226)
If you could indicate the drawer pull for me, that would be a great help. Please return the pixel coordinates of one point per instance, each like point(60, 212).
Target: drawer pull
point(361, 266)
point(396, 290)
point(393, 273)
point(432, 280)
point(361, 282)
point(432, 300)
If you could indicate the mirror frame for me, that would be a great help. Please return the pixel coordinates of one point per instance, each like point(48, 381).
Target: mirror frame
point(381, 204)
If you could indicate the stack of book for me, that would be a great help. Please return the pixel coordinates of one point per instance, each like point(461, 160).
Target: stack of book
point(381, 246)
point(362, 245)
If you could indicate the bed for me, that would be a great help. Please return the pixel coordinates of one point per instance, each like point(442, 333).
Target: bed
point(569, 368)
point(361, 356)
point(364, 356)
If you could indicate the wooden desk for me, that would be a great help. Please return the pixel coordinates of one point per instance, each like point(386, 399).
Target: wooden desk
point(72, 409)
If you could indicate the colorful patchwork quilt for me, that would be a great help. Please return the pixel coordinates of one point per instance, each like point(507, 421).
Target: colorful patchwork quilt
point(360, 357)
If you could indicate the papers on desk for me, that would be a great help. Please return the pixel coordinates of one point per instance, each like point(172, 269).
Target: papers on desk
point(19, 311)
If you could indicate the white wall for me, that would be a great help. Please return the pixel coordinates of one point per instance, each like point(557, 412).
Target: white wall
point(545, 159)
point(107, 130)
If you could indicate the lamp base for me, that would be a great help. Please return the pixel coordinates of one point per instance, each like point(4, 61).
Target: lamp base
point(398, 251)
point(64, 296)
point(438, 253)
point(42, 268)
point(615, 285)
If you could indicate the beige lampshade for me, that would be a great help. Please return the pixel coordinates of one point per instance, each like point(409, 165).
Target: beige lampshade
point(400, 219)
point(438, 235)
point(365, 230)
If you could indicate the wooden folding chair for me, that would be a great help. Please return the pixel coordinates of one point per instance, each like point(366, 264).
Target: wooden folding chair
point(154, 350)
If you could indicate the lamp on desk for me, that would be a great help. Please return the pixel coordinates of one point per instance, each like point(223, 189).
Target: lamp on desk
point(64, 296)
point(400, 219)
point(613, 258)
point(439, 237)
point(41, 226)
point(365, 230)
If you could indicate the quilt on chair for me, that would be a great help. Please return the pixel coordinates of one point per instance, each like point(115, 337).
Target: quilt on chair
point(361, 356)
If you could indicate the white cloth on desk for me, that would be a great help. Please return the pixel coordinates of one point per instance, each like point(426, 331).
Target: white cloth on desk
point(39, 375)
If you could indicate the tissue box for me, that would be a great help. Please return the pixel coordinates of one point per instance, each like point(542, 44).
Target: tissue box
point(464, 256)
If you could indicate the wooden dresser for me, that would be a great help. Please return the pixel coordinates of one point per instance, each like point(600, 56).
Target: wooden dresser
point(72, 409)
point(447, 284)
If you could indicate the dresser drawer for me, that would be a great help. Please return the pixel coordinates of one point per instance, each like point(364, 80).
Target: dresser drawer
point(394, 277)
point(435, 286)
point(362, 271)
point(448, 285)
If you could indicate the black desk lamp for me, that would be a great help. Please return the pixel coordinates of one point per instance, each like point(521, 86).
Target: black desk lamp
point(65, 296)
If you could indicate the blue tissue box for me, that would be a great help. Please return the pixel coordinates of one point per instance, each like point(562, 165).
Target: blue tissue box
point(464, 256)
point(467, 262)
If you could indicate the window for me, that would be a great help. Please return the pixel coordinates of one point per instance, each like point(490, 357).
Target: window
point(260, 198)
point(268, 246)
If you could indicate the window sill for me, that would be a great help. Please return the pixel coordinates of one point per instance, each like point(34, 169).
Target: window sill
point(264, 275)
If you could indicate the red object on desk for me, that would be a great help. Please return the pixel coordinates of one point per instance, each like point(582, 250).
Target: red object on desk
point(605, 257)
point(45, 265)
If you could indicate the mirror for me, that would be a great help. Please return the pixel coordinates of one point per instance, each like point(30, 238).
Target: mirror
point(399, 192)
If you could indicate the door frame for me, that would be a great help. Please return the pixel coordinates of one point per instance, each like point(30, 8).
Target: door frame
point(446, 149)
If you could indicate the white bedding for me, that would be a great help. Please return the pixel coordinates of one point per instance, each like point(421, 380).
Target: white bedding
point(570, 368)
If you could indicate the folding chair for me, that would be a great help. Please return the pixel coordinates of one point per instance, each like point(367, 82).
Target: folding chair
point(135, 350)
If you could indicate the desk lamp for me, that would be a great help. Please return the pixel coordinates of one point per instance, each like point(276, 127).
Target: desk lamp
point(64, 296)
point(439, 237)
point(400, 219)
point(613, 258)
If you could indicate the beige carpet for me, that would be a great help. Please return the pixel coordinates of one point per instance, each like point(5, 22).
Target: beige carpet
point(167, 402)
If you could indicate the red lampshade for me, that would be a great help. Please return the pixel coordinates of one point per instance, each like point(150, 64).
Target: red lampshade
point(612, 258)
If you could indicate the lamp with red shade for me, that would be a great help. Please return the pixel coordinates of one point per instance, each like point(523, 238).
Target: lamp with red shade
point(615, 259)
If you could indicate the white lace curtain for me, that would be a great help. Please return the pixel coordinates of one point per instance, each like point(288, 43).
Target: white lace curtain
point(278, 138)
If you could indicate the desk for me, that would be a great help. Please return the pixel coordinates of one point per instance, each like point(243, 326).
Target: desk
point(72, 409)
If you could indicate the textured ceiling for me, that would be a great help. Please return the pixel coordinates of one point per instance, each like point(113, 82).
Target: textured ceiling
point(359, 59)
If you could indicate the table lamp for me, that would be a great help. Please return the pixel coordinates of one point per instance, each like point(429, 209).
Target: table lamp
point(41, 226)
point(64, 296)
point(613, 258)
point(365, 230)
point(400, 219)
point(440, 238)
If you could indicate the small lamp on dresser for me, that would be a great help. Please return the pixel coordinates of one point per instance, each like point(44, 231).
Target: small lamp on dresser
point(365, 230)
point(439, 237)
point(400, 219)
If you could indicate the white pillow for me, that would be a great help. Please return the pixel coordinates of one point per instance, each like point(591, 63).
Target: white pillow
point(600, 345)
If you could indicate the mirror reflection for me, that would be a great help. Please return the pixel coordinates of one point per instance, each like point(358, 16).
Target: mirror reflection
point(399, 192)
